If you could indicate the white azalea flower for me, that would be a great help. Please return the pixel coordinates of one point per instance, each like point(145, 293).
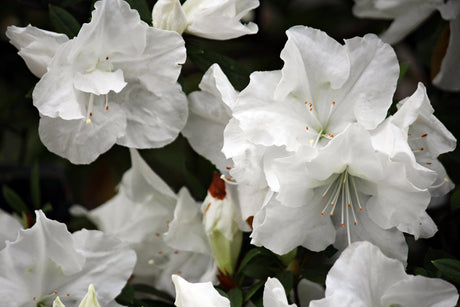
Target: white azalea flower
point(213, 19)
point(407, 16)
point(113, 83)
point(163, 228)
point(312, 123)
point(364, 276)
point(205, 295)
point(46, 260)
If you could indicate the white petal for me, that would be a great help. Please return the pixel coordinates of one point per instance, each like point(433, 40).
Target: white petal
point(159, 64)
point(142, 184)
point(186, 229)
point(168, 15)
point(448, 77)
point(421, 291)
point(36, 46)
point(114, 28)
point(38, 262)
point(79, 142)
point(54, 95)
point(219, 19)
point(209, 114)
point(407, 22)
point(153, 119)
point(197, 295)
point(274, 294)
point(57, 303)
point(360, 276)
point(374, 71)
point(311, 60)
point(109, 263)
point(301, 226)
point(9, 228)
point(100, 82)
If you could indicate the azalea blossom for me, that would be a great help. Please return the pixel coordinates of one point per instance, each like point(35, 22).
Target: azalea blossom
point(213, 19)
point(364, 276)
point(115, 82)
point(46, 260)
point(9, 228)
point(313, 122)
point(164, 228)
point(407, 16)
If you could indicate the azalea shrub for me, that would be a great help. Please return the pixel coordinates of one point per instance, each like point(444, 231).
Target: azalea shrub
point(230, 153)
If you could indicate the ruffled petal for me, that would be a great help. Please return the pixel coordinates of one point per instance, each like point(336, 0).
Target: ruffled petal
point(36, 46)
point(169, 15)
point(421, 291)
point(80, 142)
point(197, 295)
point(100, 82)
point(275, 295)
point(9, 228)
point(301, 226)
point(219, 19)
point(186, 231)
point(153, 119)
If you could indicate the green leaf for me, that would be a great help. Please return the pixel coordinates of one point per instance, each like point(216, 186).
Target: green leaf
point(47, 207)
point(403, 67)
point(237, 73)
point(317, 273)
point(126, 297)
point(236, 297)
point(63, 21)
point(14, 200)
point(143, 8)
point(250, 255)
point(450, 268)
point(151, 290)
point(253, 290)
point(151, 303)
point(35, 186)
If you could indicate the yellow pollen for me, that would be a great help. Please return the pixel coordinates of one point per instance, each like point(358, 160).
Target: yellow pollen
point(446, 179)
point(311, 141)
point(151, 262)
point(88, 121)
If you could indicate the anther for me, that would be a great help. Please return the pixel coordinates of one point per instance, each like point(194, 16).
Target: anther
point(333, 103)
point(306, 102)
point(228, 167)
point(330, 135)
point(422, 149)
point(306, 127)
point(160, 253)
point(342, 224)
point(34, 298)
point(332, 204)
point(311, 109)
point(349, 205)
point(409, 134)
point(179, 272)
point(106, 58)
point(55, 291)
point(176, 252)
point(68, 294)
point(424, 135)
point(322, 213)
point(355, 223)
point(428, 163)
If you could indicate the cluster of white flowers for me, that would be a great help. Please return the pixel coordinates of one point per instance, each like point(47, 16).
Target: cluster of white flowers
point(308, 154)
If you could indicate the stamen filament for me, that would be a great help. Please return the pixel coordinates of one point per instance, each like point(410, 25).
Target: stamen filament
point(89, 111)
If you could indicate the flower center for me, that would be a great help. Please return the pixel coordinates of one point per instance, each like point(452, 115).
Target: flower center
point(341, 192)
point(317, 130)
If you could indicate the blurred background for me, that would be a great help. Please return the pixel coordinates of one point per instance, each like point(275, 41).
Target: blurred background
point(39, 178)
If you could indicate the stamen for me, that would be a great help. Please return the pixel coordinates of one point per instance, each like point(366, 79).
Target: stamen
point(107, 102)
point(356, 193)
point(89, 111)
